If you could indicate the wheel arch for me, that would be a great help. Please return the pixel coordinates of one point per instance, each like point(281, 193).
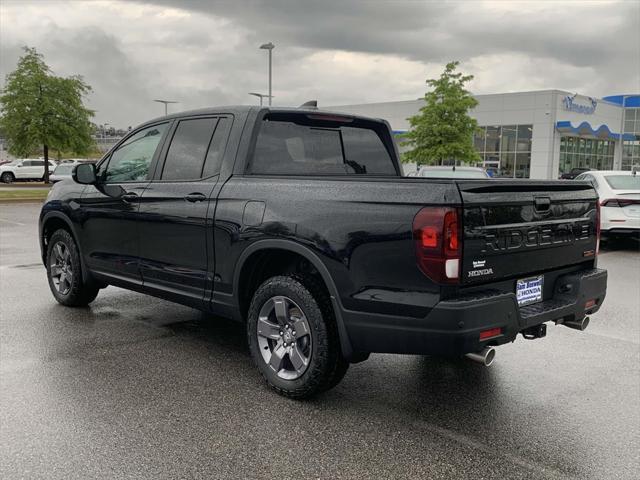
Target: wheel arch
point(52, 221)
point(287, 246)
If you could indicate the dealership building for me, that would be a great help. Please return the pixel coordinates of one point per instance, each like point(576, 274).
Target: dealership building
point(539, 134)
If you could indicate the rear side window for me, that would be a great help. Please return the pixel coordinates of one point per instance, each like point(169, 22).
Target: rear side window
point(186, 154)
point(296, 145)
point(216, 148)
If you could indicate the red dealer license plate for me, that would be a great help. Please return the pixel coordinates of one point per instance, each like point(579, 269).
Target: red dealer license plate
point(529, 290)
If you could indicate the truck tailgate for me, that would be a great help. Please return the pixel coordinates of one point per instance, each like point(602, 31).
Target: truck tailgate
point(513, 228)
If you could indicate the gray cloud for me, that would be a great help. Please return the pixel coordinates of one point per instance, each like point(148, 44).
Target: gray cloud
point(203, 53)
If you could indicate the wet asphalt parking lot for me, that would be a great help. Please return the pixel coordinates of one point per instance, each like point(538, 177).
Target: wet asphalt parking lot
point(136, 387)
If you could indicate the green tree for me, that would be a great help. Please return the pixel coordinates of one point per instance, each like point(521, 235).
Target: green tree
point(443, 129)
point(41, 110)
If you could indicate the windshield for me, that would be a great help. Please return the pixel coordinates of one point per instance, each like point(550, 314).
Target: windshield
point(623, 182)
point(433, 173)
point(63, 170)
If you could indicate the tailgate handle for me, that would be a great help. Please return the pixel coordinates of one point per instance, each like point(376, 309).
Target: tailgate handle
point(542, 204)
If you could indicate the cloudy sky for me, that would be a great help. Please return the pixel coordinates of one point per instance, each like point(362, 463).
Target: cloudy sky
point(336, 51)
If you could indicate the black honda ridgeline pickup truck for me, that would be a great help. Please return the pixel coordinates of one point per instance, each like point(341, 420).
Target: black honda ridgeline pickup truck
point(299, 223)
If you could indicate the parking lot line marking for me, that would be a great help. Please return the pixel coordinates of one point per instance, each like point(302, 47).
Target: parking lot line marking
point(12, 222)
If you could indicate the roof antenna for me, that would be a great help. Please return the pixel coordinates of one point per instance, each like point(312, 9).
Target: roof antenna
point(311, 105)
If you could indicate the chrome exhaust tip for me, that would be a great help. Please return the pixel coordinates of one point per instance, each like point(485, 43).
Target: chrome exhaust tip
point(484, 357)
point(577, 324)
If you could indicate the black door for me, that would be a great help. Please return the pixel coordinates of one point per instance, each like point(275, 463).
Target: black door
point(109, 210)
point(175, 236)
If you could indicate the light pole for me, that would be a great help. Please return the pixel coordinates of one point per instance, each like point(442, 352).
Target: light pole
point(166, 102)
point(260, 96)
point(269, 46)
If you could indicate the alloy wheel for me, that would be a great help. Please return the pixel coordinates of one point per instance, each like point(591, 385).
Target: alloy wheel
point(284, 337)
point(61, 268)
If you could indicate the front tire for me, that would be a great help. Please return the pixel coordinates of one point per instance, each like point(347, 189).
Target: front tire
point(64, 272)
point(293, 337)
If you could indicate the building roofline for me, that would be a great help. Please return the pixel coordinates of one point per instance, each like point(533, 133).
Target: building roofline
point(607, 99)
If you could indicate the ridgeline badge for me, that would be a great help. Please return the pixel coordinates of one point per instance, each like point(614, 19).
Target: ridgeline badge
point(570, 105)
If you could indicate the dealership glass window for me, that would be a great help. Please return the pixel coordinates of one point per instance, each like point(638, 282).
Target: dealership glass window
point(509, 134)
point(523, 164)
point(585, 152)
point(493, 139)
point(506, 148)
point(507, 163)
point(631, 147)
point(479, 139)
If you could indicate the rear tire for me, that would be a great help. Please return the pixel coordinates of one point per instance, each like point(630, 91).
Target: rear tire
point(7, 177)
point(293, 338)
point(64, 272)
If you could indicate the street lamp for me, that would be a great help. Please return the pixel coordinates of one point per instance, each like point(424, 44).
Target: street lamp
point(269, 46)
point(260, 96)
point(166, 102)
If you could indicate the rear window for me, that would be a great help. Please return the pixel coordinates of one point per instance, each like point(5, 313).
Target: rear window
point(298, 145)
point(623, 182)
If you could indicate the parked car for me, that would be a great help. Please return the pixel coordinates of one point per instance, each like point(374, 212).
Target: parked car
point(26, 169)
point(574, 173)
point(452, 172)
point(619, 192)
point(63, 171)
point(299, 224)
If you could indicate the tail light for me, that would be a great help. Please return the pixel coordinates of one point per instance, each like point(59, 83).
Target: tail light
point(619, 202)
point(597, 227)
point(438, 243)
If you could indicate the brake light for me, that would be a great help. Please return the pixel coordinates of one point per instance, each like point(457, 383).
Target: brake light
point(436, 234)
point(611, 202)
point(330, 118)
point(619, 202)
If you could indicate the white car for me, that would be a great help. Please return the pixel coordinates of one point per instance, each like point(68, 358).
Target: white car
point(26, 169)
point(62, 172)
point(452, 172)
point(619, 193)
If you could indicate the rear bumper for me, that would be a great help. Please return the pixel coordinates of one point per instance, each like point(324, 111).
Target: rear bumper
point(453, 327)
point(615, 221)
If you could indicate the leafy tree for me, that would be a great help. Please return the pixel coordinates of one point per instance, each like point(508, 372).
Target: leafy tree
point(39, 109)
point(443, 129)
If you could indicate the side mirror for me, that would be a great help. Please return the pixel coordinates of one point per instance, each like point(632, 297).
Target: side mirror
point(85, 174)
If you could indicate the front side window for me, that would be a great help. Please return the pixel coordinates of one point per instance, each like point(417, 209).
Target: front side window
point(298, 146)
point(130, 162)
point(186, 154)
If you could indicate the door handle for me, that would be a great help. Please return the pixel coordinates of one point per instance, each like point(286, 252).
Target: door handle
point(195, 197)
point(129, 196)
